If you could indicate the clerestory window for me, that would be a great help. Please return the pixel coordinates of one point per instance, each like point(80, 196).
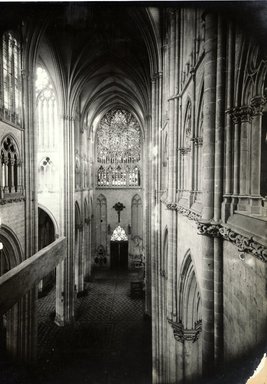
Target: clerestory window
point(12, 84)
point(47, 113)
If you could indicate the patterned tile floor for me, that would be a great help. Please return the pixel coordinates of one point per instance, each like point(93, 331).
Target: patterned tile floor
point(110, 342)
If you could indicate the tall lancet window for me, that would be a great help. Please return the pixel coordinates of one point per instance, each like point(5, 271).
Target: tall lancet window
point(12, 88)
point(46, 109)
point(118, 141)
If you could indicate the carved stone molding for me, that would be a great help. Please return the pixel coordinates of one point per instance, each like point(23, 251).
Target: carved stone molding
point(243, 243)
point(257, 104)
point(245, 114)
point(12, 200)
point(184, 211)
point(172, 206)
point(208, 229)
point(182, 334)
point(241, 114)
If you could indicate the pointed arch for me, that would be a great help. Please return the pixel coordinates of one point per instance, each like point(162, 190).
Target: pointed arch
point(101, 221)
point(12, 249)
point(10, 166)
point(198, 142)
point(189, 303)
point(187, 131)
point(137, 216)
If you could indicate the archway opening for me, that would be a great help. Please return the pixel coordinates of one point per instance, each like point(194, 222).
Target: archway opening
point(46, 236)
point(10, 326)
point(119, 249)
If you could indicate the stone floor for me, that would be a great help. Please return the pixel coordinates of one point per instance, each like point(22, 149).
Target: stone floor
point(110, 342)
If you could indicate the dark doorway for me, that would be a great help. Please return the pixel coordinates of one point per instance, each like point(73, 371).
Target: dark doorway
point(119, 255)
point(46, 236)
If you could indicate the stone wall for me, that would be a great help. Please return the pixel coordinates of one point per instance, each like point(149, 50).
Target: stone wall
point(114, 196)
point(245, 304)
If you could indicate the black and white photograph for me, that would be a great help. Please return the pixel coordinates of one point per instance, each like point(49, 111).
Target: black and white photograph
point(133, 192)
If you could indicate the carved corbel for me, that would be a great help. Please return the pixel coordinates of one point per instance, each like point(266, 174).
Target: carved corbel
point(182, 334)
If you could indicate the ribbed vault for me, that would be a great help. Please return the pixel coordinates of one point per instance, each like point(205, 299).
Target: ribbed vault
point(109, 55)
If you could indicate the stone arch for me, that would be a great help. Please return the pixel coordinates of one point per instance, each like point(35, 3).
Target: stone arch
point(46, 235)
point(189, 315)
point(186, 145)
point(137, 216)
point(101, 222)
point(189, 308)
point(10, 321)
point(14, 140)
point(11, 246)
point(52, 217)
point(198, 142)
point(10, 166)
point(187, 125)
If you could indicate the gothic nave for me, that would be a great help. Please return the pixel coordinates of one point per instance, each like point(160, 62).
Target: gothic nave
point(133, 192)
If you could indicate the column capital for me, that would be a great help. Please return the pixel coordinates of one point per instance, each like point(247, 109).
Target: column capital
point(257, 103)
point(245, 114)
point(241, 114)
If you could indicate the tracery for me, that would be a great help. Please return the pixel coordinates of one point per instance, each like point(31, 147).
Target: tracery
point(118, 149)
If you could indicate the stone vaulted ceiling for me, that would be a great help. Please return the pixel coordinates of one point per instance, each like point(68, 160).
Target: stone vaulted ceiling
point(105, 57)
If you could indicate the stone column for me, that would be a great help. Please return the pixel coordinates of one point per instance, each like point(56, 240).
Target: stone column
point(19, 176)
point(2, 179)
point(170, 278)
point(208, 192)
point(154, 258)
point(147, 219)
point(27, 338)
point(28, 315)
point(218, 194)
point(69, 228)
point(236, 158)
point(228, 124)
point(6, 187)
point(255, 200)
point(12, 163)
point(245, 117)
point(81, 260)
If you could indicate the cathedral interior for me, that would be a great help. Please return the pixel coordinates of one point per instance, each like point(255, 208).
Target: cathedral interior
point(133, 192)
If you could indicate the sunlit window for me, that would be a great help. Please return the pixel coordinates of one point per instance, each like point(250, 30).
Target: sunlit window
point(11, 78)
point(118, 150)
point(47, 170)
point(46, 109)
point(119, 234)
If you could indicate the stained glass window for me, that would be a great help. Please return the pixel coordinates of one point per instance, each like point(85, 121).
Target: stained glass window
point(118, 141)
point(12, 89)
point(119, 234)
